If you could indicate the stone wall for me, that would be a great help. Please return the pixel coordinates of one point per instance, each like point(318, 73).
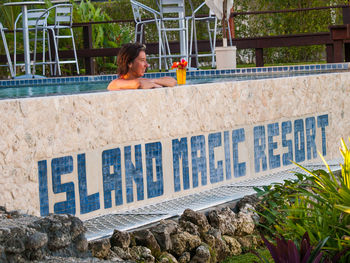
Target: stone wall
point(80, 128)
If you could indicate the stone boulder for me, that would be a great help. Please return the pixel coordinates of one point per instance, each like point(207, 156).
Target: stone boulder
point(202, 255)
point(146, 238)
point(122, 252)
point(197, 218)
point(184, 241)
point(100, 248)
point(166, 257)
point(120, 239)
point(163, 231)
point(245, 224)
point(185, 257)
point(141, 254)
point(233, 245)
point(224, 220)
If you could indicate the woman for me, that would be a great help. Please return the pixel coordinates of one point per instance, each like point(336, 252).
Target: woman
point(132, 65)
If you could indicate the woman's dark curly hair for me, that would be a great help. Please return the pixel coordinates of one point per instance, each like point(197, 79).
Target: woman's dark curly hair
point(126, 55)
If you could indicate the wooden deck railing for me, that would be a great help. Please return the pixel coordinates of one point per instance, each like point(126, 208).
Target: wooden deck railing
point(336, 41)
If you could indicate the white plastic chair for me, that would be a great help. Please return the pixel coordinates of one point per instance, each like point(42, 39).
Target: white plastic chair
point(9, 62)
point(139, 10)
point(212, 31)
point(63, 21)
point(36, 17)
point(173, 11)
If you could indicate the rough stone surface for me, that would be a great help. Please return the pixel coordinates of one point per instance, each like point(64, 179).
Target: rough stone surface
point(142, 254)
point(184, 241)
point(122, 252)
point(223, 220)
point(233, 245)
point(147, 239)
point(61, 238)
point(100, 248)
point(245, 224)
point(166, 257)
point(162, 232)
point(196, 218)
point(202, 255)
point(120, 239)
point(185, 257)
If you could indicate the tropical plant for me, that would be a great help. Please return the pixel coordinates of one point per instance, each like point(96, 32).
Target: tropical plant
point(288, 251)
point(317, 204)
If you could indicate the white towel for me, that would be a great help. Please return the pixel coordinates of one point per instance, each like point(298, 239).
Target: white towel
point(216, 6)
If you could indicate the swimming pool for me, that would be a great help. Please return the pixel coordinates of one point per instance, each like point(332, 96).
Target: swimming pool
point(88, 84)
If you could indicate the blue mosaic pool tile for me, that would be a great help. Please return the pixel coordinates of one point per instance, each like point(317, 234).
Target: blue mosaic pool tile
point(197, 73)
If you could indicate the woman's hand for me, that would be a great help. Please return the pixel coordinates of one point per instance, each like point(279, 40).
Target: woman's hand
point(166, 81)
point(148, 84)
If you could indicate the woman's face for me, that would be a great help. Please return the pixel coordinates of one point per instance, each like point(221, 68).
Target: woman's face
point(139, 65)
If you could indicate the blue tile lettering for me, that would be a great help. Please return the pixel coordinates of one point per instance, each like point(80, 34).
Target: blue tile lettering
point(272, 131)
point(180, 151)
point(199, 163)
point(237, 137)
point(61, 166)
point(227, 155)
point(88, 203)
point(43, 188)
point(154, 151)
point(288, 156)
point(299, 140)
point(216, 174)
point(322, 122)
point(310, 126)
point(112, 177)
point(259, 148)
point(133, 173)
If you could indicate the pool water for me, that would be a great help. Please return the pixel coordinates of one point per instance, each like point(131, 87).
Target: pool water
point(98, 86)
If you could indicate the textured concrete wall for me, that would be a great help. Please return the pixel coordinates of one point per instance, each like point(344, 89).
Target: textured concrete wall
point(39, 129)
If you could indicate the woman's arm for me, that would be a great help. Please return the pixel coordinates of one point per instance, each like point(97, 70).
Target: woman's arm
point(166, 81)
point(120, 84)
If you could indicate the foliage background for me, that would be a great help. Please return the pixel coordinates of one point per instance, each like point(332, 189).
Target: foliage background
point(114, 35)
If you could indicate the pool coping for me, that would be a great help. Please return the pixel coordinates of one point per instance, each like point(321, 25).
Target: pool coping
point(191, 73)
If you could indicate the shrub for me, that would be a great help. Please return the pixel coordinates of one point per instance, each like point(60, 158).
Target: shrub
point(317, 203)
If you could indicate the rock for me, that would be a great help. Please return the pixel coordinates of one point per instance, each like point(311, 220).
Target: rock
point(252, 200)
point(184, 241)
point(142, 254)
point(185, 257)
point(81, 243)
point(36, 241)
point(245, 224)
point(196, 218)
point(77, 227)
point(162, 233)
point(166, 257)
point(113, 257)
point(100, 248)
point(59, 239)
point(202, 255)
point(250, 210)
point(249, 242)
point(122, 253)
point(233, 245)
point(189, 227)
point(120, 239)
point(14, 245)
point(146, 238)
point(219, 248)
point(223, 220)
